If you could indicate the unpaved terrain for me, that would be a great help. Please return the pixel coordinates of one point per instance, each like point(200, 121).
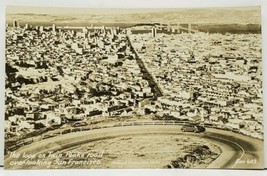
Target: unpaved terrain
point(144, 151)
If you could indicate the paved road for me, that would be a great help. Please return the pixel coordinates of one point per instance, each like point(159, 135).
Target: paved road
point(152, 82)
point(238, 151)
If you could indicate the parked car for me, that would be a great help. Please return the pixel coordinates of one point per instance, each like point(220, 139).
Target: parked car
point(95, 127)
point(49, 135)
point(78, 124)
point(66, 131)
point(193, 128)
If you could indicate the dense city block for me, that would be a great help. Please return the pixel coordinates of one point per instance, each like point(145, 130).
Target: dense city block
point(60, 76)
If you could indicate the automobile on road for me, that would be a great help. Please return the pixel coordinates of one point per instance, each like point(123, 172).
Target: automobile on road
point(78, 124)
point(193, 128)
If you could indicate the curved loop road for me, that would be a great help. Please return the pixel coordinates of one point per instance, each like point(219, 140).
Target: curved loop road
point(238, 151)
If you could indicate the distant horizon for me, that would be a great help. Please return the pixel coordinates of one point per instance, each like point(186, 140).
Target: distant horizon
point(223, 15)
point(61, 10)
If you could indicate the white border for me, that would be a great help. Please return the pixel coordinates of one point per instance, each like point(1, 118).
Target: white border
point(130, 4)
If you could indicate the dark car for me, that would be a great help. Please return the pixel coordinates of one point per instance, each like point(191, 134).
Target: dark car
point(78, 124)
point(49, 135)
point(201, 128)
point(66, 131)
point(193, 128)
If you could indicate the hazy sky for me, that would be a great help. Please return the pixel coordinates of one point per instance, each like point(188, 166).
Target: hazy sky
point(57, 10)
point(244, 15)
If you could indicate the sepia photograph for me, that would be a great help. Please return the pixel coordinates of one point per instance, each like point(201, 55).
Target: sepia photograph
point(133, 88)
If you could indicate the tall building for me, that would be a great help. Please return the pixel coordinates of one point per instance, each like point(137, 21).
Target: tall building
point(15, 24)
point(189, 28)
point(26, 26)
point(129, 31)
point(118, 30)
point(178, 28)
point(114, 31)
point(54, 28)
point(154, 32)
point(85, 30)
point(73, 33)
point(41, 29)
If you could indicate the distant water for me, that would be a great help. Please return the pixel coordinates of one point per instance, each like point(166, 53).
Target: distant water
point(211, 28)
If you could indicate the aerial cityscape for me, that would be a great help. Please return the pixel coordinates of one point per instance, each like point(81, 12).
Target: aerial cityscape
point(140, 83)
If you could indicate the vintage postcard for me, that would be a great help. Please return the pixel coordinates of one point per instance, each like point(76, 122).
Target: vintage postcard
point(133, 88)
